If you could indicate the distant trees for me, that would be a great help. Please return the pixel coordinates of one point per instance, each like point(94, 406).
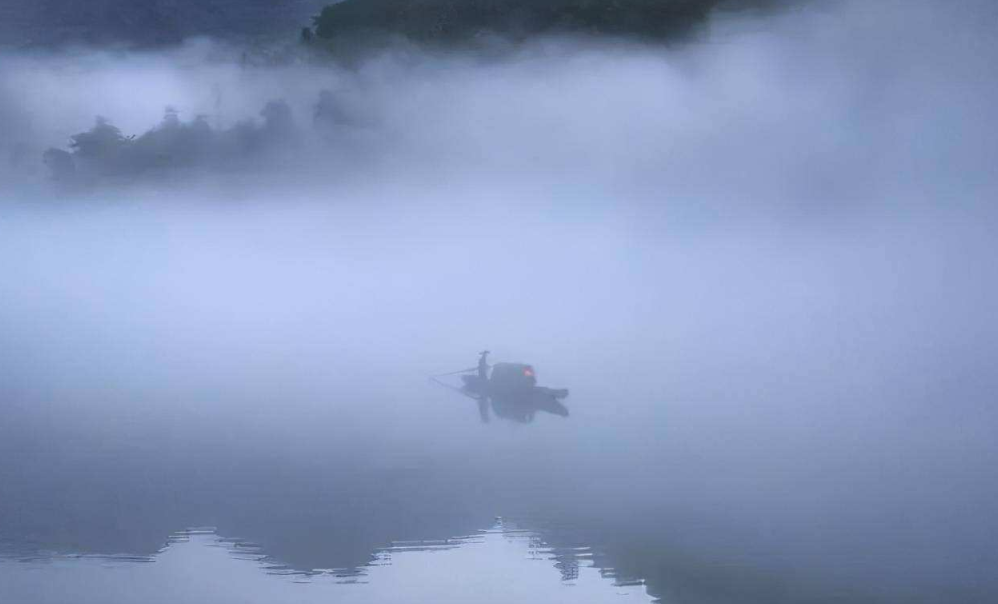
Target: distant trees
point(453, 20)
point(104, 152)
point(103, 141)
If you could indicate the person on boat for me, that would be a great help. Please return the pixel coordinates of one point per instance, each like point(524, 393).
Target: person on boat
point(483, 365)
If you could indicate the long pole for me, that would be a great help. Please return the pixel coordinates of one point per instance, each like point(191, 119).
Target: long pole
point(456, 372)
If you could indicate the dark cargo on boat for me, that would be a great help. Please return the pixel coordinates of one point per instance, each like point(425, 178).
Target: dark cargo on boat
point(510, 379)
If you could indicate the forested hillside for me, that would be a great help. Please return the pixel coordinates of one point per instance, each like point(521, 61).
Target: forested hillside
point(147, 22)
point(456, 20)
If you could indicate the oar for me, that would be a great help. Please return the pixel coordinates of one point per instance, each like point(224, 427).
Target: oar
point(456, 372)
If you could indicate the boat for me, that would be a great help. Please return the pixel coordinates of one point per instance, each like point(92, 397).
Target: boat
point(511, 391)
point(510, 380)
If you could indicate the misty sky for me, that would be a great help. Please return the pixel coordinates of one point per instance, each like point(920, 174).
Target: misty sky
point(761, 260)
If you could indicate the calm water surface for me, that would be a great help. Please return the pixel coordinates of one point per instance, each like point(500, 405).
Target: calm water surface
point(494, 565)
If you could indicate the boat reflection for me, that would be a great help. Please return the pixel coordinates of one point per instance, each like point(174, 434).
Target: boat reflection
point(520, 409)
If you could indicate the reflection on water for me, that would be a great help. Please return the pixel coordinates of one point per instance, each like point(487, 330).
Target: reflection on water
point(501, 564)
point(518, 409)
point(707, 502)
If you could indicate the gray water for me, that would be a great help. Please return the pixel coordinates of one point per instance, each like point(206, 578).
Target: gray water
point(787, 450)
point(761, 262)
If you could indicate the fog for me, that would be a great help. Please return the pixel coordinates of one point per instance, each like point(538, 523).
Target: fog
point(760, 260)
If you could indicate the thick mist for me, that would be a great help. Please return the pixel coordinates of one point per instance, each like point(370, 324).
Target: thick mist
point(760, 260)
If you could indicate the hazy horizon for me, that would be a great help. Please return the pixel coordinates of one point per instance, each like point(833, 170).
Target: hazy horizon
point(760, 261)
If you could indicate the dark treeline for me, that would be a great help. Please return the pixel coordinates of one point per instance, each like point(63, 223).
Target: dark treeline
point(105, 153)
point(158, 22)
point(457, 21)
